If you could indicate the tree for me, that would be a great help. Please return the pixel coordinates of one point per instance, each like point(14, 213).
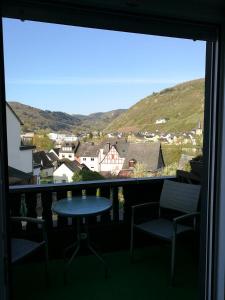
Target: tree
point(140, 171)
point(86, 175)
point(77, 176)
point(42, 142)
point(169, 170)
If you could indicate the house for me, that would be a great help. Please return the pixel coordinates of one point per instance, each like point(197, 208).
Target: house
point(68, 150)
point(53, 136)
point(88, 154)
point(55, 151)
point(53, 158)
point(65, 172)
point(199, 130)
point(47, 168)
point(19, 154)
point(149, 155)
point(36, 173)
point(70, 138)
point(112, 156)
point(160, 121)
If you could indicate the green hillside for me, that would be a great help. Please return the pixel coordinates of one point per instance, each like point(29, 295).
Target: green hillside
point(35, 119)
point(182, 106)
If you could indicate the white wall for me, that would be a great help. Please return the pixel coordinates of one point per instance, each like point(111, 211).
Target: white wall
point(36, 174)
point(47, 172)
point(21, 160)
point(67, 155)
point(62, 174)
point(93, 165)
point(111, 162)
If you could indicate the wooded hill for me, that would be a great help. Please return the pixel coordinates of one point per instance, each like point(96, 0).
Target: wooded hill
point(182, 106)
point(35, 119)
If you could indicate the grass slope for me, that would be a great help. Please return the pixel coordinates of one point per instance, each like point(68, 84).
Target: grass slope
point(182, 105)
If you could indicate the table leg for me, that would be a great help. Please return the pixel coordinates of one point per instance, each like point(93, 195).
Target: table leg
point(90, 247)
point(77, 244)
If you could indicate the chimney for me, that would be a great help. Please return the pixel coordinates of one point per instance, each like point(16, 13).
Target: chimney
point(132, 163)
point(109, 145)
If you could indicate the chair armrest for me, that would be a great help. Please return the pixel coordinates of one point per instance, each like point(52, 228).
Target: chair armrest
point(28, 219)
point(134, 207)
point(186, 216)
point(144, 205)
point(35, 221)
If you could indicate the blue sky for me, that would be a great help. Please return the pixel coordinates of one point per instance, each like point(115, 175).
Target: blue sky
point(80, 70)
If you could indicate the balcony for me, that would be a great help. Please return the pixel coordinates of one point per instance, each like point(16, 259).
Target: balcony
point(146, 278)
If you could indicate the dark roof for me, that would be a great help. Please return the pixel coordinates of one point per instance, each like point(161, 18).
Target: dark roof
point(52, 156)
point(72, 165)
point(120, 145)
point(42, 159)
point(73, 145)
point(122, 148)
point(147, 154)
point(21, 123)
point(16, 176)
point(56, 150)
point(87, 150)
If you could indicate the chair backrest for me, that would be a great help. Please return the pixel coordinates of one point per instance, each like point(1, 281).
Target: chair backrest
point(179, 196)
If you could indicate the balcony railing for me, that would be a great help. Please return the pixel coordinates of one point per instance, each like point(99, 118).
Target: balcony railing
point(36, 201)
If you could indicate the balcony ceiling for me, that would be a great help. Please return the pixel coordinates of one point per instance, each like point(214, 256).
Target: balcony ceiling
point(197, 10)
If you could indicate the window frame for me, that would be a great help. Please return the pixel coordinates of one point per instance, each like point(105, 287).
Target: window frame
point(212, 281)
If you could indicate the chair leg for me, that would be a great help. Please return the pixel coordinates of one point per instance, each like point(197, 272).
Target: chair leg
point(173, 253)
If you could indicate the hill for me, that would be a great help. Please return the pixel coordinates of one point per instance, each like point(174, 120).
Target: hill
point(182, 106)
point(35, 119)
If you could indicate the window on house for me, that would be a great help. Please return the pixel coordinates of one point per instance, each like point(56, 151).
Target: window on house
point(84, 158)
point(92, 159)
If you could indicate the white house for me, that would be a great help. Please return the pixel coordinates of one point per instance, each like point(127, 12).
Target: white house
point(88, 154)
point(110, 161)
point(47, 167)
point(65, 172)
point(19, 155)
point(160, 121)
point(36, 173)
point(53, 136)
point(70, 138)
point(67, 151)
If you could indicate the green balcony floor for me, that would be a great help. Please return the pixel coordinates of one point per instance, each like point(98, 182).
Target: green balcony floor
point(146, 278)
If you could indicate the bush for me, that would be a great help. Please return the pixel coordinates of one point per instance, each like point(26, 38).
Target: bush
point(86, 175)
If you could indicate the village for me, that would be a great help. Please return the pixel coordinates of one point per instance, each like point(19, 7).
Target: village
point(92, 156)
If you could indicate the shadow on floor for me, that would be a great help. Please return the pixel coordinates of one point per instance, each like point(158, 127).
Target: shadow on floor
point(146, 278)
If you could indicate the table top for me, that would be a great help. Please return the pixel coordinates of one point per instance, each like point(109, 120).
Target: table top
point(81, 206)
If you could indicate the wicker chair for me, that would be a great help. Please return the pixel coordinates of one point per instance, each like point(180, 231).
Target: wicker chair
point(176, 196)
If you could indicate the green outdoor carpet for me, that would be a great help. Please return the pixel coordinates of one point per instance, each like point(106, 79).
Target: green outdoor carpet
point(147, 278)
